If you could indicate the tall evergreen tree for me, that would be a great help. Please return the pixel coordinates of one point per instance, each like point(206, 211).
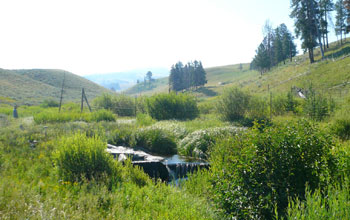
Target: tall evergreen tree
point(326, 7)
point(306, 24)
point(347, 6)
point(340, 18)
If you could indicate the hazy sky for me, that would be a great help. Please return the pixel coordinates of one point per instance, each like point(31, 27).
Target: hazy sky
point(86, 37)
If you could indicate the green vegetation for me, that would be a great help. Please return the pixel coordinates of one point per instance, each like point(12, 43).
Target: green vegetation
point(53, 116)
point(121, 105)
point(238, 106)
point(155, 140)
point(172, 106)
point(258, 171)
point(337, 202)
point(293, 158)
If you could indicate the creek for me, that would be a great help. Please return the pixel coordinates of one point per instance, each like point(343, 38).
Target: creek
point(168, 169)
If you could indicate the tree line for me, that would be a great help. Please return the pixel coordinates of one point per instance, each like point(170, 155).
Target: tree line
point(312, 19)
point(277, 46)
point(189, 76)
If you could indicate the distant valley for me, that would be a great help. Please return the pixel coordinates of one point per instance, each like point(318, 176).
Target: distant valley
point(120, 81)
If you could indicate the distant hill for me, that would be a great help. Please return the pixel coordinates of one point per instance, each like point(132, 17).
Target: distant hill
point(330, 76)
point(123, 80)
point(217, 77)
point(33, 86)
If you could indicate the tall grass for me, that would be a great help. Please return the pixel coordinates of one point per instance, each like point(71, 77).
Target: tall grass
point(53, 116)
point(334, 205)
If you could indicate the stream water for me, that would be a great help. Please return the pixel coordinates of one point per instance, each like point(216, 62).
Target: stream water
point(178, 167)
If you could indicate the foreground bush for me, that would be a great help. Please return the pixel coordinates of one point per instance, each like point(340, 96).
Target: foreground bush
point(79, 157)
point(172, 106)
point(258, 171)
point(155, 140)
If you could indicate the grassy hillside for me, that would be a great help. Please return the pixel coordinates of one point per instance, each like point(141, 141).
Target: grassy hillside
point(331, 76)
point(35, 85)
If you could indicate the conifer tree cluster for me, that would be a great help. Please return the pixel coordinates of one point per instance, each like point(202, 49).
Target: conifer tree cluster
point(277, 46)
point(189, 76)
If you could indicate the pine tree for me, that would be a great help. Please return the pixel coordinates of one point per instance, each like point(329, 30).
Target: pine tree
point(340, 18)
point(347, 6)
point(326, 6)
point(306, 23)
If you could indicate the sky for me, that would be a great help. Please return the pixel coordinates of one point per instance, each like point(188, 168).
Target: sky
point(102, 36)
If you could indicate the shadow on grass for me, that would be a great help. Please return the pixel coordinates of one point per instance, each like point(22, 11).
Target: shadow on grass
point(206, 91)
point(343, 52)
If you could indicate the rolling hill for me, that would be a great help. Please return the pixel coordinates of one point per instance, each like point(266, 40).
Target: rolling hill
point(330, 76)
point(33, 86)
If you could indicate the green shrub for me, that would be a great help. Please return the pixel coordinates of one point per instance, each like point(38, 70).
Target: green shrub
point(144, 119)
point(101, 115)
point(317, 106)
point(49, 104)
point(121, 104)
point(236, 105)
point(124, 105)
point(121, 137)
point(79, 157)
point(259, 170)
point(155, 140)
point(104, 101)
point(334, 205)
point(172, 106)
point(197, 143)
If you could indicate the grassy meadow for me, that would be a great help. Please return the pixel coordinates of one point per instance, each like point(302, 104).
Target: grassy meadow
point(272, 154)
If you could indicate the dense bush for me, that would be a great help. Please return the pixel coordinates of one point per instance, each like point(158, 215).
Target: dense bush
point(172, 106)
point(155, 140)
point(79, 157)
point(258, 171)
point(197, 143)
point(144, 119)
point(120, 136)
point(121, 104)
point(236, 105)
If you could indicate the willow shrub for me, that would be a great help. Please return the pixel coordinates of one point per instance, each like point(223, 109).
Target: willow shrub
point(155, 140)
point(257, 171)
point(236, 105)
point(172, 106)
point(79, 157)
